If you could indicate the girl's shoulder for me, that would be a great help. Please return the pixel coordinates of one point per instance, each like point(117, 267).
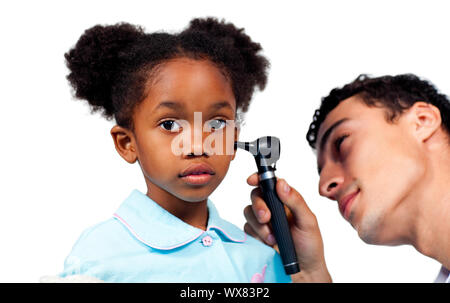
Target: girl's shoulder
point(102, 239)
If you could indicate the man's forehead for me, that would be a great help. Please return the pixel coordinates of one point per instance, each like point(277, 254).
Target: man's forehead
point(347, 108)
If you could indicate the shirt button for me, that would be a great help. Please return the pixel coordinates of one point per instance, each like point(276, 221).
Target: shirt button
point(207, 241)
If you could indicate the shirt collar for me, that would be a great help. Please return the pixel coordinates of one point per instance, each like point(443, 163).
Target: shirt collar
point(155, 227)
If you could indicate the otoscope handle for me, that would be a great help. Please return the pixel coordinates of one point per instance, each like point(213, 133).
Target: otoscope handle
point(280, 225)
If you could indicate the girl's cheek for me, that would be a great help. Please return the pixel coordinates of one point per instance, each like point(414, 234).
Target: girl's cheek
point(224, 161)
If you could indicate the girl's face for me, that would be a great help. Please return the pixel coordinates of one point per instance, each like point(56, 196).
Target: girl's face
point(183, 89)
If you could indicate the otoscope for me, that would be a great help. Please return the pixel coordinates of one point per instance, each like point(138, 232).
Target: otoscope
point(266, 151)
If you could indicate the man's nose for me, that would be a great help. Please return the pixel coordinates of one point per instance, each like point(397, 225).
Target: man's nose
point(331, 180)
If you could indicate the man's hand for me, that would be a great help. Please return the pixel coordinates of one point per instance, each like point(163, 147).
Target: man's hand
point(304, 229)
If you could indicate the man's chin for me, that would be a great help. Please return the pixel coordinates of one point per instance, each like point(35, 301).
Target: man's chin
point(369, 229)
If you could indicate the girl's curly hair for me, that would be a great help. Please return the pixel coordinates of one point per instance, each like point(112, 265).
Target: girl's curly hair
point(110, 65)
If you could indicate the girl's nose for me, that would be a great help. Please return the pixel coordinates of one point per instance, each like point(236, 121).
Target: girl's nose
point(197, 148)
point(197, 143)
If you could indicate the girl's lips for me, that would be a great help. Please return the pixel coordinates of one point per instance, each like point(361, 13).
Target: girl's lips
point(346, 202)
point(200, 179)
point(197, 174)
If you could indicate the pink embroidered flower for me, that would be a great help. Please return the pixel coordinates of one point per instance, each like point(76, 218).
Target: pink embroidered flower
point(259, 277)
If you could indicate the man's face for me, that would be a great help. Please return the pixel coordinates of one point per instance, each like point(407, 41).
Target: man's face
point(369, 166)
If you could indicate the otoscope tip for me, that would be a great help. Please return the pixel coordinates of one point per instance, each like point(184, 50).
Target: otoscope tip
point(243, 145)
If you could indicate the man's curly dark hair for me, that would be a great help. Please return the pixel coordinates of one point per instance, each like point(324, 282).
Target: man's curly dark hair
point(394, 93)
point(110, 65)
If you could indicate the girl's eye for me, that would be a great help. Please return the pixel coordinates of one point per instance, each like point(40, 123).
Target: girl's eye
point(170, 125)
point(217, 123)
point(338, 142)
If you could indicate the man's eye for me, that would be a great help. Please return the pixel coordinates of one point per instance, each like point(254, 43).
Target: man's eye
point(338, 142)
point(217, 123)
point(170, 125)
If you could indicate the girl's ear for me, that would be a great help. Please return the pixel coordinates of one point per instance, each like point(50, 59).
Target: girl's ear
point(236, 138)
point(125, 143)
point(426, 118)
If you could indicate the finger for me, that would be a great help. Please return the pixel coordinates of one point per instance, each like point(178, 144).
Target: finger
point(249, 230)
point(257, 230)
point(302, 216)
point(253, 180)
point(260, 209)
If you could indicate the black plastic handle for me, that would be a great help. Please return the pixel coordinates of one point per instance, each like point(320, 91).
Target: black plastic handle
point(280, 226)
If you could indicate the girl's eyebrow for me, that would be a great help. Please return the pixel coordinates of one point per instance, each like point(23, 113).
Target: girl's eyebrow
point(169, 104)
point(180, 107)
point(220, 105)
point(177, 105)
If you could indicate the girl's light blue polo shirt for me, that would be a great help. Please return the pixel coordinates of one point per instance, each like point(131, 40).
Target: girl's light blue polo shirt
point(143, 242)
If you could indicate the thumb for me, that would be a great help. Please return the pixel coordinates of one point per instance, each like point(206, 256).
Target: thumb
point(303, 217)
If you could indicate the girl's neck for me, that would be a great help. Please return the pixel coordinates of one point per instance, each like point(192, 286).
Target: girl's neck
point(192, 213)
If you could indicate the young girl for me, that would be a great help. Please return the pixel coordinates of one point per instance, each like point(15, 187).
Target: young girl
point(150, 84)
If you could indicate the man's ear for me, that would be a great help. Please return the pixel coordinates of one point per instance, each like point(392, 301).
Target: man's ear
point(426, 119)
point(125, 143)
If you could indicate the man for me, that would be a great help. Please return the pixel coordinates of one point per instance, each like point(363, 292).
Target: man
point(383, 153)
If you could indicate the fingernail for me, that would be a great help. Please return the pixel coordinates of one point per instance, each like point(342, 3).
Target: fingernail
point(286, 187)
point(270, 239)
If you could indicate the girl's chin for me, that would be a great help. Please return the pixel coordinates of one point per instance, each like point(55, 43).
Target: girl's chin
point(194, 199)
point(195, 196)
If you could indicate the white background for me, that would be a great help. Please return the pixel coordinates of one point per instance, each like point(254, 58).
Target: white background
point(59, 170)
